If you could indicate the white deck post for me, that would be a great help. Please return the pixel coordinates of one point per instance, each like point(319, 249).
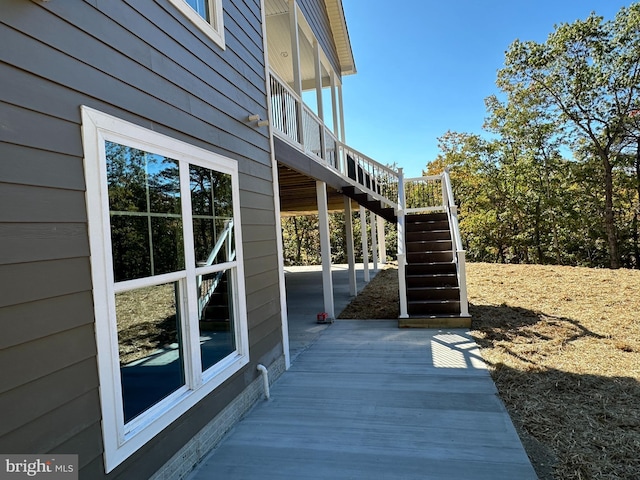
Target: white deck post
point(325, 248)
point(334, 104)
point(401, 248)
point(318, 73)
point(374, 241)
point(365, 245)
point(295, 58)
point(351, 257)
point(341, 136)
point(382, 242)
point(462, 281)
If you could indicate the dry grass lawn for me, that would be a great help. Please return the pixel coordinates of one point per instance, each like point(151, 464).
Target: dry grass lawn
point(146, 321)
point(563, 346)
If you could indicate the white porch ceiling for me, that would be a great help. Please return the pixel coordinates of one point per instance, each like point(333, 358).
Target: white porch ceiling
point(279, 43)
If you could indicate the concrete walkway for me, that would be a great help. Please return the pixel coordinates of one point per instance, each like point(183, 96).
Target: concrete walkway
point(367, 400)
point(305, 300)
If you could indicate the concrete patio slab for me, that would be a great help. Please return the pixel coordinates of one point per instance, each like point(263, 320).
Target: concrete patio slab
point(367, 400)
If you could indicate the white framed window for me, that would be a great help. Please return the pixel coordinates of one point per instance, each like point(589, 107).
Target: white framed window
point(204, 14)
point(167, 272)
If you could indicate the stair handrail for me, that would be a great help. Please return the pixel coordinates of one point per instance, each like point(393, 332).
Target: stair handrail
point(381, 174)
point(459, 253)
point(226, 232)
point(224, 237)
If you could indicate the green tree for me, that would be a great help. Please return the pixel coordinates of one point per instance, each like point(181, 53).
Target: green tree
point(529, 143)
point(587, 75)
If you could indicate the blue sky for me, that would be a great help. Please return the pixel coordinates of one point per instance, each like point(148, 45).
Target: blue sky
point(426, 66)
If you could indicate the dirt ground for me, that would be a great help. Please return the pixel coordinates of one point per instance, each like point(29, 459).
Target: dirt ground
point(563, 347)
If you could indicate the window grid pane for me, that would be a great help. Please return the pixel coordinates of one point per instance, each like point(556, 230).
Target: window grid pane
point(212, 207)
point(216, 314)
point(150, 346)
point(146, 221)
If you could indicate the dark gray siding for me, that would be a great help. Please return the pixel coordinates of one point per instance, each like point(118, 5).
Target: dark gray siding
point(142, 61)
point(316, 14)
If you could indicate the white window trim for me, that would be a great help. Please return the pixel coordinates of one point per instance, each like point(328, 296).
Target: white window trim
point(214, 30)
point(119, 444)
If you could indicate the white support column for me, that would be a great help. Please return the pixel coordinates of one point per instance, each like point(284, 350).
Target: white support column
point(334, 104)
point(325, 247)
point(295, 58)
point(365, 245)
point(343, 165)
point(382, 242)
point(318, 74)
point(374, 241)
point(341, 108)
point(351, 257)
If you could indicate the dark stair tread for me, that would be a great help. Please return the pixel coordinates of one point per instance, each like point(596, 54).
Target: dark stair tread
point(433, 275)
point(442, 320)
point(433, 293)
point(417, 269)
point(428, 235)
point(430, 293)
point(438, 287)
point(433, 301)
point(429, 258)
point(412, 217)
point(429, 246)
point(427, 225)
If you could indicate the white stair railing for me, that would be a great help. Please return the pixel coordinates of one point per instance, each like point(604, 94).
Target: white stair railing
point(459, 252)
point(429, 194)
point(208, 287)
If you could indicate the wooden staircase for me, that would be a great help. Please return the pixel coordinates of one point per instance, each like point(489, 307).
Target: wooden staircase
point(367, 201)
point(216, 313)
point(433, 292)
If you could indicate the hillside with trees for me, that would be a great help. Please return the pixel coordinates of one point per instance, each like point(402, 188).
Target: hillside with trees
point(557, 178)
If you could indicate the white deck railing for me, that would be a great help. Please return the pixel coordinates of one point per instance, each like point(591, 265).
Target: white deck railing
point(293, 121)
point(319, 142)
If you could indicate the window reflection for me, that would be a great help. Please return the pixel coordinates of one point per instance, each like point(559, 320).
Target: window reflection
point(212, 206)
point(145, 210)
point(150, 346)
point(215, 302)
